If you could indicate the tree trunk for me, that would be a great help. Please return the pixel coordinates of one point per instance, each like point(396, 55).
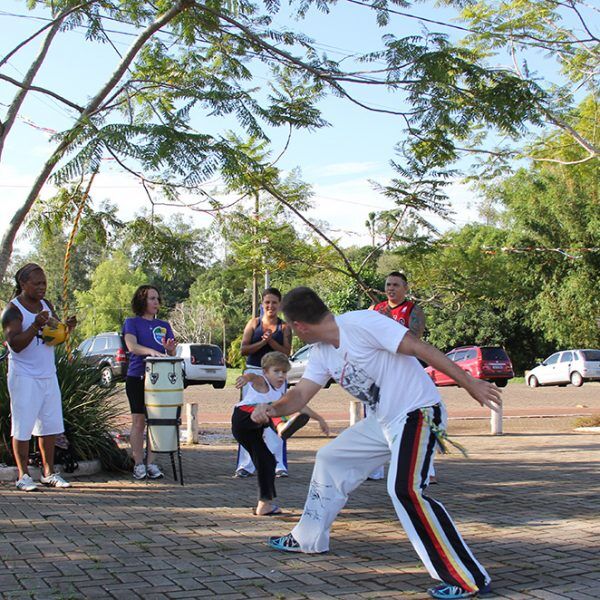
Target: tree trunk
point(6, 247)
point(15, 105)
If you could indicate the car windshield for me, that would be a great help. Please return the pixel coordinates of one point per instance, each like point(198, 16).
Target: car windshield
point(493, 354)
point(204, 355)
point(591, 355)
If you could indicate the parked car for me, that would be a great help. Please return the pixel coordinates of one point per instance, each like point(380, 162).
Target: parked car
point(299, 360)
point(482, 362)
point(203, 363)
point(106, 351)
point(567, 366)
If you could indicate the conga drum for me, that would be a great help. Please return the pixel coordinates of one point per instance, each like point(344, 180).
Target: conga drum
point(163, 395)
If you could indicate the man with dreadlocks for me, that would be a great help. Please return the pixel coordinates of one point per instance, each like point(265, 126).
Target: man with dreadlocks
point(35, 402)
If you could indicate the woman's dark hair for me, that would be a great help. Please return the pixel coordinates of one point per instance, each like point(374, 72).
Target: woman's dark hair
point(270, 291)
point(140, 299)
point(303, 304)
point(22, 275)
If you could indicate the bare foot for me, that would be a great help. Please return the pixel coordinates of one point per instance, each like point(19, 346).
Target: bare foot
point(266, 509)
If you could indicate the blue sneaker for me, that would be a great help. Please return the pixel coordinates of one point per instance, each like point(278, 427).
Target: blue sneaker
point(447, 591)
point(287, 543)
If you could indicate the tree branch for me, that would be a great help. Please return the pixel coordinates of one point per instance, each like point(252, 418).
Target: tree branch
point(15, 223)
point(386, 241)
point(35, 88)
point(350, 269)
point(19, 98)
point(51, 23)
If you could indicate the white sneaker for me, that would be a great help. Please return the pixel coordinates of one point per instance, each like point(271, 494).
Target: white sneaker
point(154, 472)
point(55, 480)
point(26, 484)
point(139, 471)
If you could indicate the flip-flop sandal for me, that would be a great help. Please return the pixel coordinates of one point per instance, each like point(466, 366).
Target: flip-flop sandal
point(272, 513)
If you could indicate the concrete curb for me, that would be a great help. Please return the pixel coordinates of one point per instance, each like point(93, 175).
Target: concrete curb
point(86, 467)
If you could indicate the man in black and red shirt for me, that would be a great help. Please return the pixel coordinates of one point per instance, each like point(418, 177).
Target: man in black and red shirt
point(397, 307)
point(405, 312)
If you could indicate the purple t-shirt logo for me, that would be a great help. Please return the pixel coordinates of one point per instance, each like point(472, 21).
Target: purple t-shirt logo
point(159, 333)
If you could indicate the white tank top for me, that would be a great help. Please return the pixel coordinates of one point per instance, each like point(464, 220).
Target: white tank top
point(36, 359)
point(252, 396)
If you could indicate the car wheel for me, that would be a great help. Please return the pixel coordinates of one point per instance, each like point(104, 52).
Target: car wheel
point(106, 377)
point(219, 385)
point(576, 379)
point(533, 381)
point(501, 382)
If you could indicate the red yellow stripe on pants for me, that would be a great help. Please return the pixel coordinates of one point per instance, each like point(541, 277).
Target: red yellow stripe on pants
point(444, 547)
point(428, 518)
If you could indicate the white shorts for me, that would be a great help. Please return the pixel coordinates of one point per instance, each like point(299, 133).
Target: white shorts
point(35, 406)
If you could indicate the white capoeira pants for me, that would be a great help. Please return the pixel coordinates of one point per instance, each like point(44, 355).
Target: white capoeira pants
point(342, 465)
point(274, 443)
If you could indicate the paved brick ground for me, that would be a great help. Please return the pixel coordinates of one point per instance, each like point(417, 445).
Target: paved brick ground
point(528, 503)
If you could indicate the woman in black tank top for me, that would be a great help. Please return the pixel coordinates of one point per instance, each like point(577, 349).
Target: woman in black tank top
point(266, 333)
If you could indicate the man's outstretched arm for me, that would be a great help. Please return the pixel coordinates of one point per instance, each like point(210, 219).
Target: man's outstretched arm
point(291, 402)
point(486, 393)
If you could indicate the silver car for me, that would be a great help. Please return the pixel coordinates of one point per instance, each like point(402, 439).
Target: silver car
point(299, 360)
point(567, 366)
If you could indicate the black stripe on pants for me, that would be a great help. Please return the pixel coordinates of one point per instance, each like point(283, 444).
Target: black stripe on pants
point(250, 435)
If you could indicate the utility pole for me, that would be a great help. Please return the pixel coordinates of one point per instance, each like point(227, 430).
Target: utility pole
point(255, 300)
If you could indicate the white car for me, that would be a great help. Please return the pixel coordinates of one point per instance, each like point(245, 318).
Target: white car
point(567, 366)
point(203, 363)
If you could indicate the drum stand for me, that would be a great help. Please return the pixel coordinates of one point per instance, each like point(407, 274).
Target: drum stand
point(165, 423)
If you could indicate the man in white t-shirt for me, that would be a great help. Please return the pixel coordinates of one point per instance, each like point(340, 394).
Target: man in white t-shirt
point(376, 361)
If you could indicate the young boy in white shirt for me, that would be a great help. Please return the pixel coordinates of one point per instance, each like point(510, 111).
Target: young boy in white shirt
point(265, 389)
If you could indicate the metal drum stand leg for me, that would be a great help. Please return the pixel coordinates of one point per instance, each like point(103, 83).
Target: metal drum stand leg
point(165, 423)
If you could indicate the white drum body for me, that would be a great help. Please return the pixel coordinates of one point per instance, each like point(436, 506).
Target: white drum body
point(163, 395)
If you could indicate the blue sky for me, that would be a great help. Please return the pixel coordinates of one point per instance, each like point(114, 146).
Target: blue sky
point(338, 161)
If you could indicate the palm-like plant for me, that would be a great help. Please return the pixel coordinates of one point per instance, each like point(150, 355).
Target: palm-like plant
point(90, 414)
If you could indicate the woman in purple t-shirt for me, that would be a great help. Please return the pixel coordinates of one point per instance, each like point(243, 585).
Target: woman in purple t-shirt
point(145, 335)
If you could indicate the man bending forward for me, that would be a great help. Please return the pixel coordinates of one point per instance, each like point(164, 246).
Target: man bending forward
point(374, 360)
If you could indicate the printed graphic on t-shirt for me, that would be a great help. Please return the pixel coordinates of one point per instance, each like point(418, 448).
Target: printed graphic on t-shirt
point(397, 315)
point(358, 383)
point(159, 333)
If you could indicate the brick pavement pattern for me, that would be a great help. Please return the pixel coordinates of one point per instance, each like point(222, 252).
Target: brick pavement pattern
point(527, 503)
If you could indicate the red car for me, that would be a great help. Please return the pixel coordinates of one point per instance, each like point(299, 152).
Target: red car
point(482, 362)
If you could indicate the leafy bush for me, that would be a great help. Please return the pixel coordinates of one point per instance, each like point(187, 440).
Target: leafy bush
point(234, 354)
point(89, 412)
point(590, 421)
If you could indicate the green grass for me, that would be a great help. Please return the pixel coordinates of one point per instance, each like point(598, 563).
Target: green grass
point(232, 375)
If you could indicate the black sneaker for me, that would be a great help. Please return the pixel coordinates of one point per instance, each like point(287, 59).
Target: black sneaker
point(242, 474)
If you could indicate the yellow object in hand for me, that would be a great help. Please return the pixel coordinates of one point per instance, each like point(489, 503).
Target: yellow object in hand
point(54, 333)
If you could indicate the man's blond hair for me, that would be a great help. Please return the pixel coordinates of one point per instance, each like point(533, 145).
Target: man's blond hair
point(275, 359)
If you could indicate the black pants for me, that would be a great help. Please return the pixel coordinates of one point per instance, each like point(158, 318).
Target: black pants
point(250, 435)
